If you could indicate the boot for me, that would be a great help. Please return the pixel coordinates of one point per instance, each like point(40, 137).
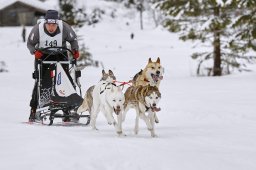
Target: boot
point(32, 115)
point(75, 118)
point(66, 118)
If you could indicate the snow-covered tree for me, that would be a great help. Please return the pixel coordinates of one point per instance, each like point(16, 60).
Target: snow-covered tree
point(245, 25)
point(209, 21)
point(72, 14)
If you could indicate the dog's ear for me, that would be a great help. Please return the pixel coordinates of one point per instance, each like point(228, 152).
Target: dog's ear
point(103, 72)
point(110, 72)
point(158, 60)
point(149, 60)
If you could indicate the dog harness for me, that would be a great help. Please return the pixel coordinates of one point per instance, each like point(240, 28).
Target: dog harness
point(102, 91)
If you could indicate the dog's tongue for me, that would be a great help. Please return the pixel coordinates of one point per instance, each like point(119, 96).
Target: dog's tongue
point(117, 111)
point(155, 109)
point(155, 78)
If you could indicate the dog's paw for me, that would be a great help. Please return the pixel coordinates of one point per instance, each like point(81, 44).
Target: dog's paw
point(154, 136)
point(120, 133)
point(94, 128)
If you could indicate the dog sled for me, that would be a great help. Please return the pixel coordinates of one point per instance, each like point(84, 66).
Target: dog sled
point(58, 88)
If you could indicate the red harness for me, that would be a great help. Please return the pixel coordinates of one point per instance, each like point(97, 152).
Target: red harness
point(122, 83)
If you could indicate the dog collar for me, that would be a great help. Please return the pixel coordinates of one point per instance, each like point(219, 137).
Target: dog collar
point(146, 80)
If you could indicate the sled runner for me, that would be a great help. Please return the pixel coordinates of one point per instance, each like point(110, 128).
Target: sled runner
point(58, 87)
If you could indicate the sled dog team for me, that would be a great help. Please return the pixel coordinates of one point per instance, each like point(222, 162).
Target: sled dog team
point(143, 96)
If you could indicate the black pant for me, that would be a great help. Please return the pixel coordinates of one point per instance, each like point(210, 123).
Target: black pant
point(47, 82)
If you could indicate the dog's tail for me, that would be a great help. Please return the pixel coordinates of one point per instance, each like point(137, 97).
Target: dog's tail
point(88, 101)
point(84, 107)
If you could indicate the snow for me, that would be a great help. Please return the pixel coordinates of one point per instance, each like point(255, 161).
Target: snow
point(206, 123)
point(223, 2)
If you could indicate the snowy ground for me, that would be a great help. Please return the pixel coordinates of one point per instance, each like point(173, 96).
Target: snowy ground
point(206, 123)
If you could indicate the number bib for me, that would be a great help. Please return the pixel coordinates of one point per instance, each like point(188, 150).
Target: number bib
point(47, 41)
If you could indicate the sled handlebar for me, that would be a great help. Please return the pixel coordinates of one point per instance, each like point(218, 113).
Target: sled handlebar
point(54, 62)
point(58, 49)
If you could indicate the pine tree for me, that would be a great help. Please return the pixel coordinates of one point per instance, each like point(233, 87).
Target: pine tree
point(71, 14)
point(208, 21)
point(245, 25)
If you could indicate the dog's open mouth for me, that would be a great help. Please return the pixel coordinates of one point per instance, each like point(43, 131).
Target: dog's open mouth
point(155, 109)
point(117, 110)
point(156, 78)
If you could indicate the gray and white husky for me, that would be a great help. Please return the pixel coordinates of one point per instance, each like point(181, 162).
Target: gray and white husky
point(143, 99)
point(107, 98)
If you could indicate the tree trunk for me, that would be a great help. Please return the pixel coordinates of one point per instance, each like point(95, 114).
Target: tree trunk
point(141, 19)
point(217, 55)
point(155, 17)
point(217, 50)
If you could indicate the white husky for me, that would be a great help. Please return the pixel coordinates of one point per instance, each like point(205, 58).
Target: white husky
point(107, 98)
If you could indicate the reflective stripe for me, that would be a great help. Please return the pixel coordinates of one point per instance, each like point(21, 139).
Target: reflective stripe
point(52, 21)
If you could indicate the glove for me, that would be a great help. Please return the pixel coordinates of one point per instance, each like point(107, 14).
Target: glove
point(76, 54)
point(38, 54)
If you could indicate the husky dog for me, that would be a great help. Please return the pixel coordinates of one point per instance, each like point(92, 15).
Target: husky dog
point(143, 99)
point(107, 98)
point(152, 74)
